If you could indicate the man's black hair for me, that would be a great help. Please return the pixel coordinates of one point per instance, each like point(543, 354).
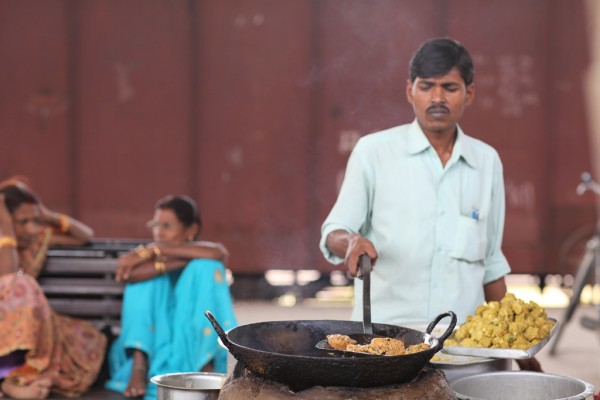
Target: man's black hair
point(438, 56)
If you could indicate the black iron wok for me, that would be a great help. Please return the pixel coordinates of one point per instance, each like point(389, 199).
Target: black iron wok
point(284, 351)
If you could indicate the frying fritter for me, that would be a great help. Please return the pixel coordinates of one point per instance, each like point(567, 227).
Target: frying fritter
point(415, 348)
point(340, 342)
point(379, 346)
point(362, 348)
point(387, 346)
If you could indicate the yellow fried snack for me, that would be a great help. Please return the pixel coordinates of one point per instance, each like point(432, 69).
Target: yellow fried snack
point(415, 348)
point(362, 348)
point(380, 346)
point(388, 346)
point(340, 342)
point(510, 323)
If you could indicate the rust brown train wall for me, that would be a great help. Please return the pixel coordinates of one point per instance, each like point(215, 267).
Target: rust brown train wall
point(252, 107)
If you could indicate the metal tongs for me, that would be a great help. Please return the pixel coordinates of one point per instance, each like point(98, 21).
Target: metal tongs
point(364, 273)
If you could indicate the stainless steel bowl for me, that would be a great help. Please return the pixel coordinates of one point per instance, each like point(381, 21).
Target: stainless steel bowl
point(189, 386)
point(520, 385)
point(458, 366)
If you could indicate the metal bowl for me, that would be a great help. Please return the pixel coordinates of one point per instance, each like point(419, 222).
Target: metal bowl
point(520, 385)
point(189, 386)
point(455, 367)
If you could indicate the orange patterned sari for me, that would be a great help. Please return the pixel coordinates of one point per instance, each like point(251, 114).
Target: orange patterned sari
point(66, 350)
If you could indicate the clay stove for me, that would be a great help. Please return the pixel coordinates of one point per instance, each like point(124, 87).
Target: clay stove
point(242, 384)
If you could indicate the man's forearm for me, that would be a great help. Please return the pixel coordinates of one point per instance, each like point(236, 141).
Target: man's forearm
point(495, 291)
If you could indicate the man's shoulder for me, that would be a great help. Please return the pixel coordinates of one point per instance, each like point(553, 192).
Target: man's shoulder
point(479, 146)
point(384, 137)
point(480, 154)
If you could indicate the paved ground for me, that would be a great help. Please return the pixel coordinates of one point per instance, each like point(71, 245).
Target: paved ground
point(577, 356)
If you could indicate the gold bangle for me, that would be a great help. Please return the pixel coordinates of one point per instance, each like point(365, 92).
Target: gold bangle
point(143, 252)
point(160, 266)
point(8, 241)
point(64, 223)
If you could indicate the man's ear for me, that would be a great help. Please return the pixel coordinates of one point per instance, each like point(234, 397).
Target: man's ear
point(409, 88)
point(470, 93)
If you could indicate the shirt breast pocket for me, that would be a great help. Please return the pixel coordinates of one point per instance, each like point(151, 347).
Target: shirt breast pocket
point(470, 240)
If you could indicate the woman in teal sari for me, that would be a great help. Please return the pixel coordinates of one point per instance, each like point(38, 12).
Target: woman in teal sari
point(171, 282)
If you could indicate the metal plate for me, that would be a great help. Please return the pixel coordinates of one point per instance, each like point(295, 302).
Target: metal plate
point(501, 353)
point(440, 359)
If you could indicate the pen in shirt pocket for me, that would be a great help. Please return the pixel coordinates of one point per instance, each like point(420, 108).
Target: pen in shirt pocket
point(475, 214)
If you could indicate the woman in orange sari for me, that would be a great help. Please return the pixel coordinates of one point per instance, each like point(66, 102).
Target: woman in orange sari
point(40, 351)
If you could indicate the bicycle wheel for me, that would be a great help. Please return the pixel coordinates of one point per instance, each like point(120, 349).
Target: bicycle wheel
point(572, 249)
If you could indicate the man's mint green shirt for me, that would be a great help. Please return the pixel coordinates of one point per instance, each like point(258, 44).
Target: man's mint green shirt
point(437, 230)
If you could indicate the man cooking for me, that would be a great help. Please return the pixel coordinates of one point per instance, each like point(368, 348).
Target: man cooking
point(425, 202)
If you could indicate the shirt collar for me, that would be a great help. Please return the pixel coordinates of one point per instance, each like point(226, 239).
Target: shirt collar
point(463, 149)
point(418, 142)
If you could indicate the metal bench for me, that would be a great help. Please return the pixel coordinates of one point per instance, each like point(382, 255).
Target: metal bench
point(80, 281)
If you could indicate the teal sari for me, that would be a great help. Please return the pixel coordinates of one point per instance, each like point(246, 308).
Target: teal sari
point(164, 317)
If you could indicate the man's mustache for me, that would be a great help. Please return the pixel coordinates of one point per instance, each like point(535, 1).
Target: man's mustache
point(437, 108)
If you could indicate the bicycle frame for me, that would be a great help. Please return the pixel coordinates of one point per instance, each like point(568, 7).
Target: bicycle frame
point(589, 261)
point(587, 183)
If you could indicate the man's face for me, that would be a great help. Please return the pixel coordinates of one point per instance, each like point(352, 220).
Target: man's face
point(439, 102)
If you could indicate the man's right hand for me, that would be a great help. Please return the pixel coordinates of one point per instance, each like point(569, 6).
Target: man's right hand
point(350, 246)
point(357, 246)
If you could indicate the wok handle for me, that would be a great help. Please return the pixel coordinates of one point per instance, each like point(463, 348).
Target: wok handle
point(218, 329)
point(448, 332)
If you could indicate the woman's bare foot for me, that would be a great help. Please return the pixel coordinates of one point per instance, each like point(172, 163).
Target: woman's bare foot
point(38, 389)
point(139, 375)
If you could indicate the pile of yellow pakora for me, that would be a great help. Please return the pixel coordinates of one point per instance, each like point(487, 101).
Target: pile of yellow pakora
point(508, 324)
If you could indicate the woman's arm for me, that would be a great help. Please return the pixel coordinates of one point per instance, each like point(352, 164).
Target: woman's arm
point(150, 268)
point(70, 231)
point(9, 259)
point(190, 250)
point(157, 258)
